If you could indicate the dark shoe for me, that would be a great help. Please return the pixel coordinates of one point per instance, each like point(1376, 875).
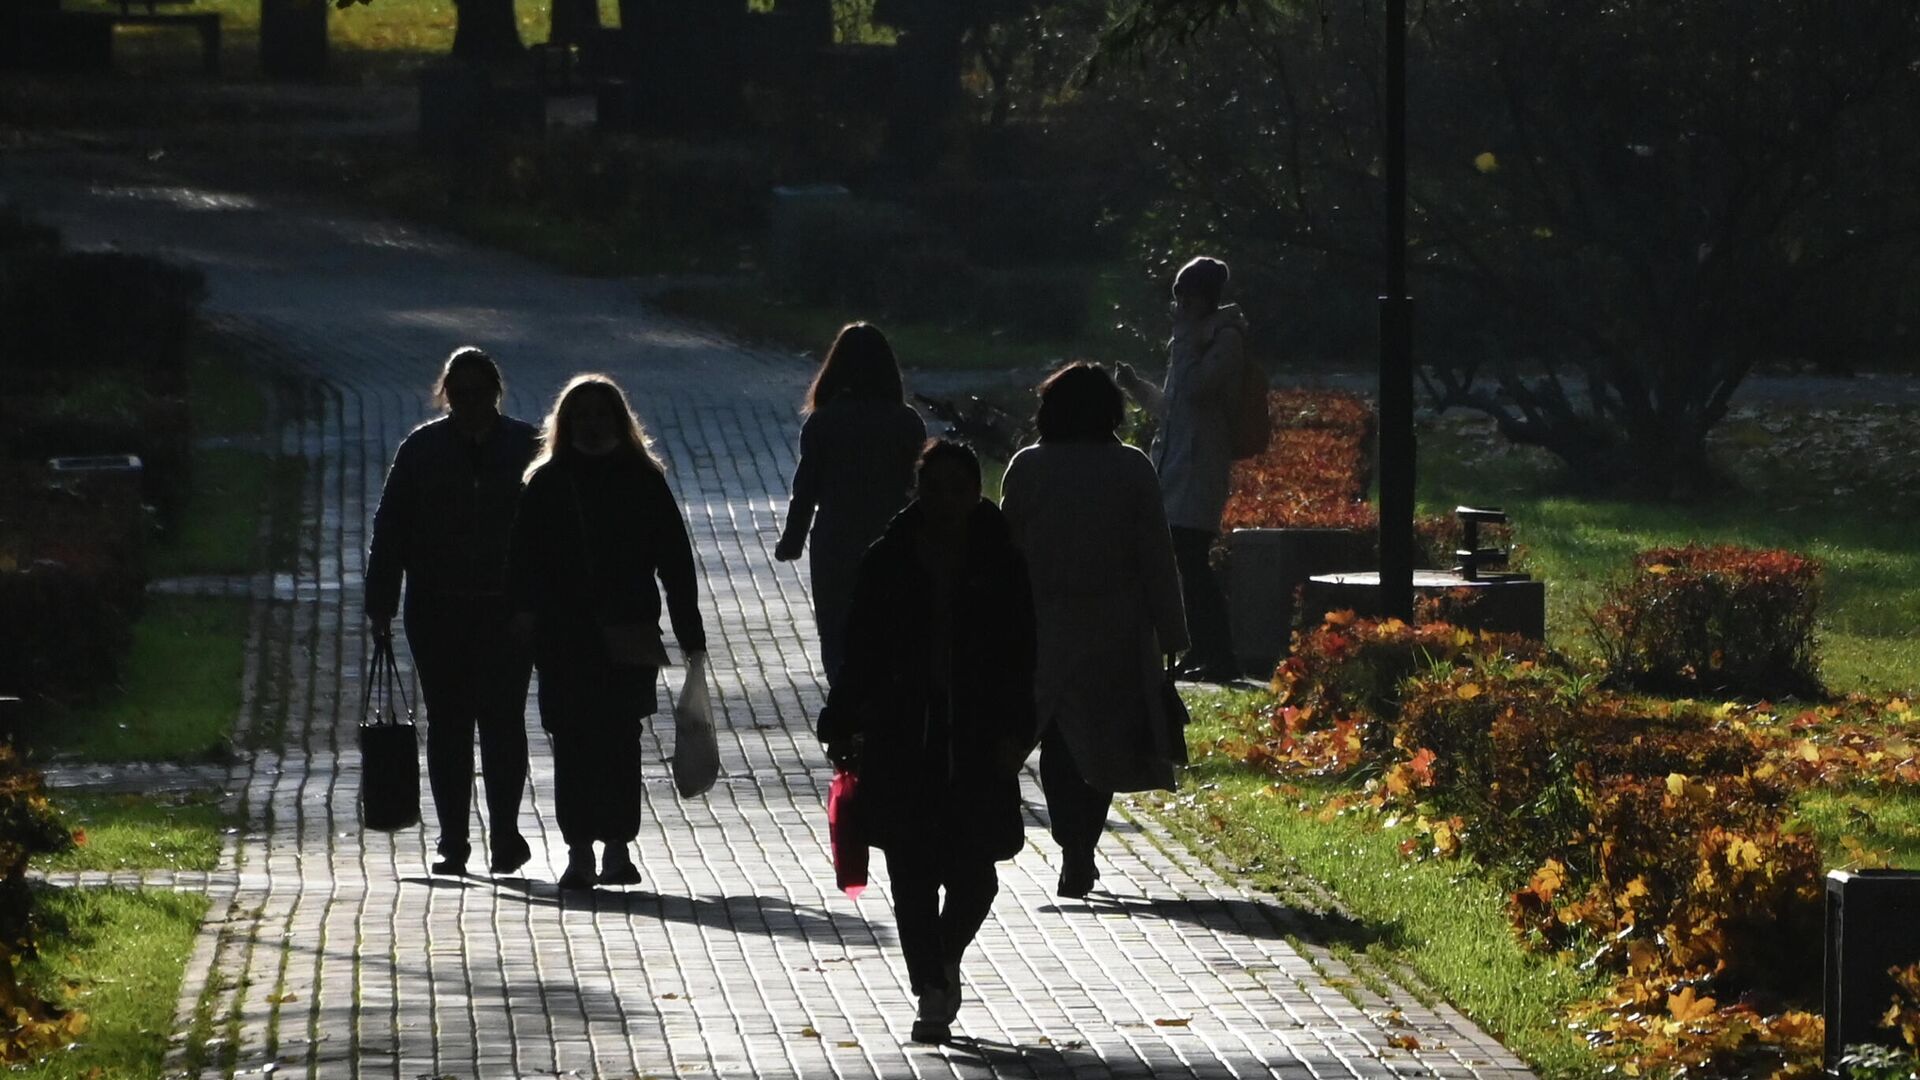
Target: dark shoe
point(933, 1025)
point(579, 873)
point(1077, 876)
point(448, 866)
point(617, 867)
point(510, 856)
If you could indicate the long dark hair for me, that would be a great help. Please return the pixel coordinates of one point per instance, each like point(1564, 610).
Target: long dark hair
point(468, 358)
point(1079, 403)
point(861, 363)
point(556, 433)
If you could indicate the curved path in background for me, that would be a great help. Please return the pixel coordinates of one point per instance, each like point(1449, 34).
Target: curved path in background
point(329, 951)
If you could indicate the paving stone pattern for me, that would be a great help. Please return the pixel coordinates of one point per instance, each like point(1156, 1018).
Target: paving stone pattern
point(330, 951)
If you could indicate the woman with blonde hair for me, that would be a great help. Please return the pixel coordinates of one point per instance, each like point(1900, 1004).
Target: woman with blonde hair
point(597, 525)
point(857, 453)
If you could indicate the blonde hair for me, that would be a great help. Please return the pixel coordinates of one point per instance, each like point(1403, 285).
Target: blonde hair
point(556, 432)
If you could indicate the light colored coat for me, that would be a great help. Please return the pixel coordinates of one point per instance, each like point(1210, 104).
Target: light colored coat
point(1196, 408)
point(1106, 593)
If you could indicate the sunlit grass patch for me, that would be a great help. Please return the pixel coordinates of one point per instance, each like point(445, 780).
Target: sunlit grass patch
point(118, 955)
point(134, 832)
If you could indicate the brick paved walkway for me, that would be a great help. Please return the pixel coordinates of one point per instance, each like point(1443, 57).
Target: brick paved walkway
point(331, 953)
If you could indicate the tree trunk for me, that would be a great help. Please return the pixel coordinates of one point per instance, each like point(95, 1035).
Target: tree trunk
point(293, 39)
point(574, 21)
point(484, 31)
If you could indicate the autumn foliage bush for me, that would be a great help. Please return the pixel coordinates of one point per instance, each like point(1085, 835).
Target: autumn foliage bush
point(28, 827)
point(1719, 619)
point(1649, 836)
point(1315, 471)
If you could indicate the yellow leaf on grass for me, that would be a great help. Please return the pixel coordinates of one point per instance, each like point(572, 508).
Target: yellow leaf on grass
point(1659, 569)
point(1468, 692)
point(1685, 1006)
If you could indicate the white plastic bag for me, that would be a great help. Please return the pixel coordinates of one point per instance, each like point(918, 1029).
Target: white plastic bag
point(696, 752)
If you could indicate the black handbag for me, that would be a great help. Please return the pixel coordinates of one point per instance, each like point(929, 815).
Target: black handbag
point(1174, 739)
point(389, 746)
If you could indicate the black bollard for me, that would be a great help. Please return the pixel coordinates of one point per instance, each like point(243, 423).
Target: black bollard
point(1873, 924)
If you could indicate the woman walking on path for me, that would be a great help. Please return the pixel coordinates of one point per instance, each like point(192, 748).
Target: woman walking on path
point(1085, 511)
point(443, 522)
point(597, 524)
point(1194, 449)
point(934, 710)
point(857, 450)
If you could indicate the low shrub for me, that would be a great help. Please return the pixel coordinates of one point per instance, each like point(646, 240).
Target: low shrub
point(840, 251)
point(61, 634)
point(29, 826)
point(67, 315)
point(1721, 619)
point(1347, 675)
point(1038, 302)
point(1315, 471)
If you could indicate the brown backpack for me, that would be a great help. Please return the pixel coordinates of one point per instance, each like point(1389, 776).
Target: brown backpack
point(1252, 424)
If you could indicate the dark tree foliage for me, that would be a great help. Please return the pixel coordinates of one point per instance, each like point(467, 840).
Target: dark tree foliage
point(1618, 209)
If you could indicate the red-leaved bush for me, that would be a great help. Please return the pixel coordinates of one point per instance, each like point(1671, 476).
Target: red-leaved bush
point(1719, 619)
point(1315, 471)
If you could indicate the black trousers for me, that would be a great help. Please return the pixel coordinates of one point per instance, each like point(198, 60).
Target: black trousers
point(596, 782)
point(934, 935)
point(1206, 606)
point(473, 677)
point(1076, 813)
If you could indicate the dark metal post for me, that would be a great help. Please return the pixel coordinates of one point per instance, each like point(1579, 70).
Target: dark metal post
point(1396, 345)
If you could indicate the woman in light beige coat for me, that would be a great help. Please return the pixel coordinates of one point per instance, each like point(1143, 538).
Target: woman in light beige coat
point(1086, 511)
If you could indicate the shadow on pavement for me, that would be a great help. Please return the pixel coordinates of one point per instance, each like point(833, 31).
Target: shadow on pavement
point(1251, 918)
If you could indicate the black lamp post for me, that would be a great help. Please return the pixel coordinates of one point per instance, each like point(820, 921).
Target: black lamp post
point(1396, 344)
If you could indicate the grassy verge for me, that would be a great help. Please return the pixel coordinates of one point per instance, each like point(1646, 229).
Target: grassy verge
point(130, 832)
point(1441, 920)
point(1882, 820)
point(180, 686)
point(178, 694)
point(1576, 543)
point(118, 955)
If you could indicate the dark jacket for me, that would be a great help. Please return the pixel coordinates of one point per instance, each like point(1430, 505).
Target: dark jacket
point(951, 785)
point(591, 536)
point(446, 512)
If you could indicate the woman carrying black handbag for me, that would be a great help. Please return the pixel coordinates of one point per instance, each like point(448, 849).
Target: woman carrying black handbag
point(597, 524)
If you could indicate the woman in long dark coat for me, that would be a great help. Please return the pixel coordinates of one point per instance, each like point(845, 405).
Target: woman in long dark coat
point(934, 709)
point(857, 450)
point(597, 524)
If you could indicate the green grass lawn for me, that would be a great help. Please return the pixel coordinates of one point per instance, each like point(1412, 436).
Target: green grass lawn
point(1576, 543)
point(118, 955)
point(178, 695)
point(131, 832)
point(1443, 920)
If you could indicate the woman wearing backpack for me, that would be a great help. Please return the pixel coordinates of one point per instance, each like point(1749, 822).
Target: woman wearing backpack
point(1197, 409)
